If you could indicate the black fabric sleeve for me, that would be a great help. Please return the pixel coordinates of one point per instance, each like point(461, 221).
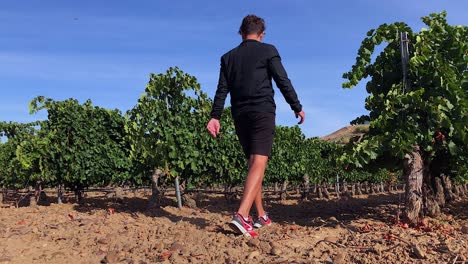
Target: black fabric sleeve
point(282, 81)
point(221, 93)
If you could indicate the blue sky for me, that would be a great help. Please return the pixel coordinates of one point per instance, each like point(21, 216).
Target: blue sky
point(105, 50)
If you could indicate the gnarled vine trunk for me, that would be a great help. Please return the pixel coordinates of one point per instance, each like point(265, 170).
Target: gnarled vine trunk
point(462, 190)
point(447, 184)
point(413, 172)
point(189, 201)
point(155, 198)
point(277, 189)
point(389, 187)
point(325, 191)
point(32, 199)
point(431, 207)
point(79, 194)
point(118, 195)
point(440, 195)
point(284, 188)
point(319, 192)
point(359, 189)
point(38, 191)
point(438, 187)
point(306, 190)
point(345, 190)
point(428, 189)
point(368, 188)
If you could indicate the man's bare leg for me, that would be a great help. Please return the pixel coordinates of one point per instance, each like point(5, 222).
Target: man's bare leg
point(259, 203)
point(258, 199)
point(253, 184)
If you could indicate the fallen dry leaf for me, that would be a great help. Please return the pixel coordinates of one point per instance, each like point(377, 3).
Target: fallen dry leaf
point(389, 237)
point(293, 227)
point(71, 216)
point(365, 229)
point(165, 255)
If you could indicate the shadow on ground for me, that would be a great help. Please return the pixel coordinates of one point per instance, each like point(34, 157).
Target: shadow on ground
point(313, 213)
point(380, 207)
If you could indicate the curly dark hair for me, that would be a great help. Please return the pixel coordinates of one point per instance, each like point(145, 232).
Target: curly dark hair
point(252, 24)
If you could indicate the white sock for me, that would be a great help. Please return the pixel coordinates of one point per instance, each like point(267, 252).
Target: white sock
point(245, 218)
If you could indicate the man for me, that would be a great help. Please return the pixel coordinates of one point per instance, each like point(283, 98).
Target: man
point(246, 72)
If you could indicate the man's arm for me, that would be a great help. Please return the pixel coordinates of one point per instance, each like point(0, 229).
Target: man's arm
point(213, 125)
point(282, 81)
point(221, 93)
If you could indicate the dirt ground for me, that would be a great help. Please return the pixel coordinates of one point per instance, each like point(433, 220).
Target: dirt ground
point(352, 230)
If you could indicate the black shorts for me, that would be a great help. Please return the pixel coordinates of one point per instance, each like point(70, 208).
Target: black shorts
point(255, 131)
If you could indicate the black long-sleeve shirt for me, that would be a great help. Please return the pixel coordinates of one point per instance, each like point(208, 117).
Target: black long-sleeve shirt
point(246, 72)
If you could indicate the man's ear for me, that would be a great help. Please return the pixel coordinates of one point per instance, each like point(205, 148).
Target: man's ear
point(261, 35)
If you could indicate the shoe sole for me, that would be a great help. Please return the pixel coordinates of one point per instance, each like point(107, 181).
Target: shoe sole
point(239, 229)
point(260, 225)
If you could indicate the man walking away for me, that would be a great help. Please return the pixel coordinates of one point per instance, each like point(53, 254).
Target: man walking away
point(246, 72)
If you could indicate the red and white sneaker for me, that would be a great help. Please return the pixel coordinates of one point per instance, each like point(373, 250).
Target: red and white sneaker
point(240, 225)
point(262, 221)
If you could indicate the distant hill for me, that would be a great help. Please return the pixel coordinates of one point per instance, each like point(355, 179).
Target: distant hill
point(343, 135)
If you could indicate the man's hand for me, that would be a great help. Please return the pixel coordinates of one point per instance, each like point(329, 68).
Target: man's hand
point(302, 115)
point(213, 127)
